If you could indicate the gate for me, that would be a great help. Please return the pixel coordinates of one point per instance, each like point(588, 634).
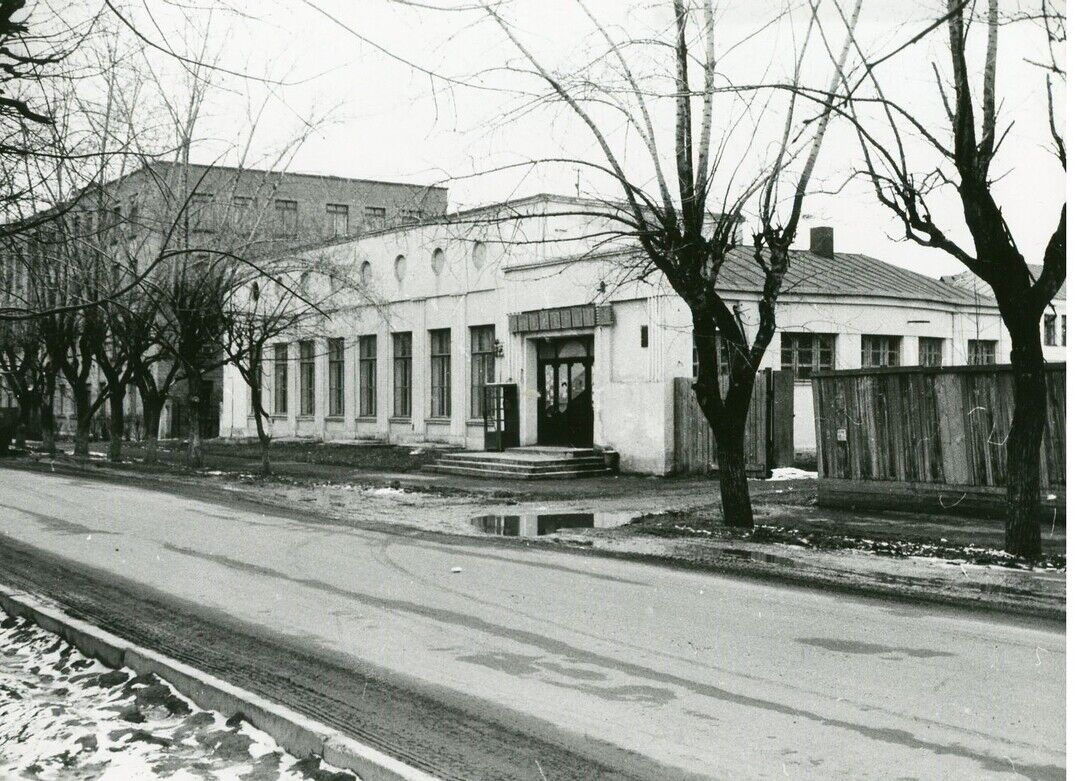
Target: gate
point(769, 426)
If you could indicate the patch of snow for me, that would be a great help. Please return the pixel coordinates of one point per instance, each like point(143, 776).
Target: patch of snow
point(63, 715)
point(791, 473)
point(384, 491)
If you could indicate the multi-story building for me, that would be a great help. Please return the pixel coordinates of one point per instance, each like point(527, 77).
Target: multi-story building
point(519, 293)
point(249, 211)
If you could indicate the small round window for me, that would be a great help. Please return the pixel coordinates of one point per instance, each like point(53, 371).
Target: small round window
point(479, 254)
point(438, 261)
point(365, 272)
point(399, 268)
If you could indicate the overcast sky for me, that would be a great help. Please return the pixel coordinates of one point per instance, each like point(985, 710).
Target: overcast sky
point(394, 121)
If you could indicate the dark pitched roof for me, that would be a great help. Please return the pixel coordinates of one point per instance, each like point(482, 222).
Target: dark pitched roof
point(844, 274)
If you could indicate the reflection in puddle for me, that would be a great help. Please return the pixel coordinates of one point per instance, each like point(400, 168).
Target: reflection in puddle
point(753, 555)
point(540, 524)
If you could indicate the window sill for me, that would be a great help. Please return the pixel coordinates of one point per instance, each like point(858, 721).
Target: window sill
point(368, 419)
point(445, 420)
point(279, 416)
point(304, 418)
point(474, 422)
point(335, 418)
point(400, 419)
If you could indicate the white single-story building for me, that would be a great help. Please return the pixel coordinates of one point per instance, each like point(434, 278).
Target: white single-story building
point(526, 293)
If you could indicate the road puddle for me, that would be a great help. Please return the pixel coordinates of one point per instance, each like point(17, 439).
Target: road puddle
point(753, 555)
point(541, 524)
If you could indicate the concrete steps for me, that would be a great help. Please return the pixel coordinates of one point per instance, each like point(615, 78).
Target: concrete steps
point(524, 463)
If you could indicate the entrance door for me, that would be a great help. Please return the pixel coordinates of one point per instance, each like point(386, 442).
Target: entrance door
point(564, 404)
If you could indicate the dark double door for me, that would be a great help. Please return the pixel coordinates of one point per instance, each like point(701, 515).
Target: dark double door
point(565, 403)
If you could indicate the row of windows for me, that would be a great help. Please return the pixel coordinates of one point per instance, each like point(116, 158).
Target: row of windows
point(804, 353)
point(438, 260)
point(482, 371)
point(285, 216)
point(1050, 329)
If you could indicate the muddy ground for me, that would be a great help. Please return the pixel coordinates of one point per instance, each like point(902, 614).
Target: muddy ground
point(947, 559)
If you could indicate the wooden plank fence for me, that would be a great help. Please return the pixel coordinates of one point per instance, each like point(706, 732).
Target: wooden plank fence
point(879, 430)
point(769, 427)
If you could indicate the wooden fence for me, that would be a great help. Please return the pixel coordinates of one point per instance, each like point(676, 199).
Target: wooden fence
point(936, 433)
point(769, 427)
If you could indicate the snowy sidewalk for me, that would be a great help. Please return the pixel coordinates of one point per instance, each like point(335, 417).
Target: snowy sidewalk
point(63, 715)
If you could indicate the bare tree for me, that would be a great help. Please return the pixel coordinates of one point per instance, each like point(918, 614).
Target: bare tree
point(961, 172)
point(687, 232)
point(287, 296)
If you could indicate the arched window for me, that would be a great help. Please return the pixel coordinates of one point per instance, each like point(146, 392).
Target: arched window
point(479, 254)
point(438, 261)
point(365, 272)
point(399, 268)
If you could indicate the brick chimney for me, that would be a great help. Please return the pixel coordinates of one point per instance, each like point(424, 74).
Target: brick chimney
point(821, 241)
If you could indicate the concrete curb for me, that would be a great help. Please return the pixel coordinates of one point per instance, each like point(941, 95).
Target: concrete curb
point(296, 733)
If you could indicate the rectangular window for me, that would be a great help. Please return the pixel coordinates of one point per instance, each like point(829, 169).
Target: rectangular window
point(365, 406)
point(243, 210)
point(880, 350)
point(200, 213)
point(806, 353)
point(116, 223)
point(335, 375)
point(482, 370)
point(281, 379)
point(1063, 330)
point(931, 350)
point(440, 373)
point(286, 219)
point(133, 214)
point(644, 336)
point(256, 379)
point(982, 352)
point(721, 353)
point(337, 216)
point(307, 378)
point(375, 215)
point(1050, 329)
point(403, 375)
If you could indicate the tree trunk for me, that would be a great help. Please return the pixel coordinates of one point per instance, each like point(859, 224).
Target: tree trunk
point(151, 422)
point(264, 441)
point(1023, 449)
point(83, 422)
point(116, 424)
point(260, 427)
point(82, 436)
point(734, 489)
point(48, 429)
point(195, 453)
point(726, 414)
point(26, 402)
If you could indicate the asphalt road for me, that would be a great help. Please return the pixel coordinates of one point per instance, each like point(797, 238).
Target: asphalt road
point(540, 664)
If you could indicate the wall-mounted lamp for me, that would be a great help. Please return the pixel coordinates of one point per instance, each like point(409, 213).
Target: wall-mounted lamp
point(497, 348)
